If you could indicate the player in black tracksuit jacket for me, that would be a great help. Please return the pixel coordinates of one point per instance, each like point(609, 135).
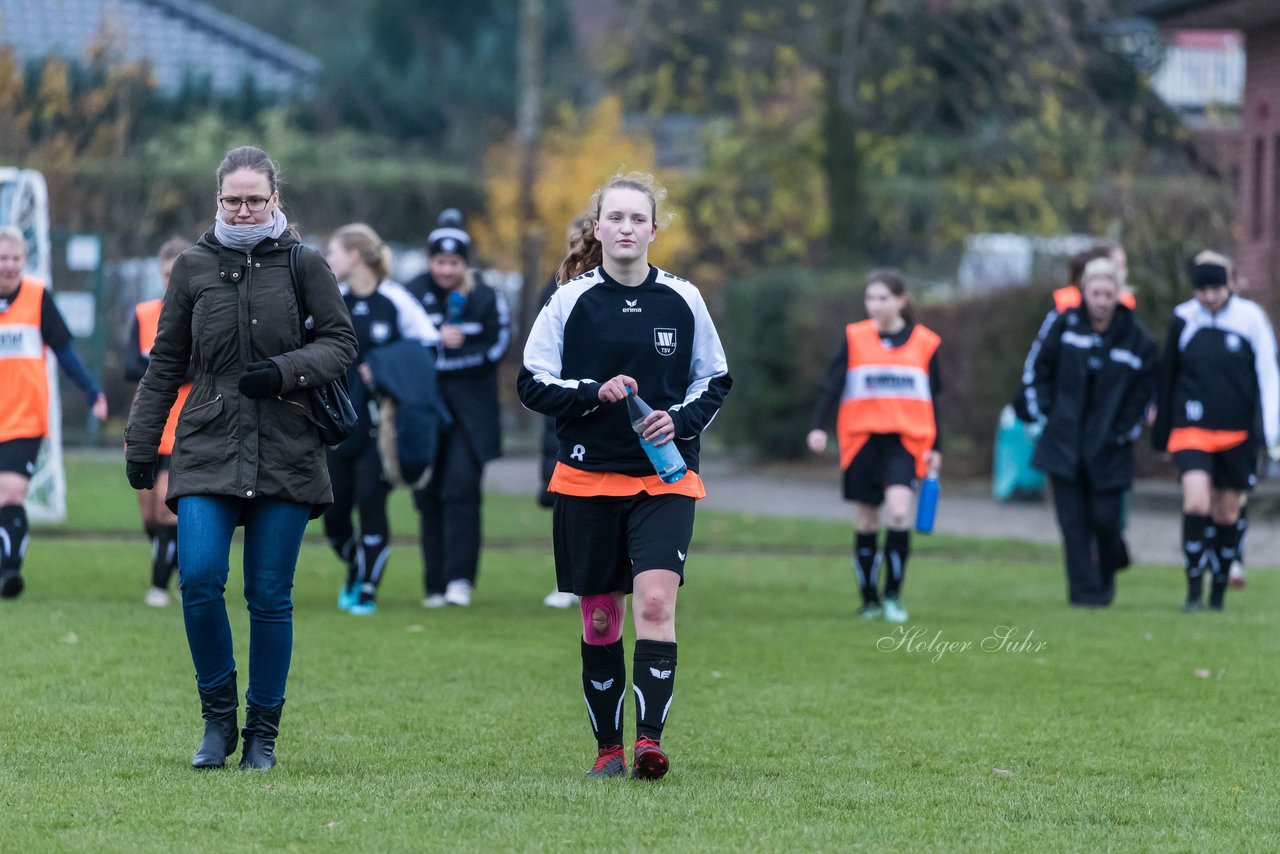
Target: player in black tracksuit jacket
point(1092, 378)
point(382, 313)
point(619, 528)
point(475, 330)
point(1219, 401)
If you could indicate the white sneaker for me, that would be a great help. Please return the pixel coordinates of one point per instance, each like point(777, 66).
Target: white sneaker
point(458, 593)
point(157, 597)
point(557, 599)
point(1235, 576)
point(435, 600)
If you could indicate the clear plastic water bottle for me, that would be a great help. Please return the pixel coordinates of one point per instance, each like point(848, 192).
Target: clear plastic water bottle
point(666, 459)
point(927, 506)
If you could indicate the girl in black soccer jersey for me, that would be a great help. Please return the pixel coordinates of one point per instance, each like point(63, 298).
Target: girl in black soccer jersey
point(882, 384)
point(615, 324)
point(1219, 399)
point(383, 313)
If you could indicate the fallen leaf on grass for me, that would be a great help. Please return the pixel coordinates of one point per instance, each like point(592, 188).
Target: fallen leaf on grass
point(1201, 673)
point(1002, 772)
point(1235, 790)
point(333, 825)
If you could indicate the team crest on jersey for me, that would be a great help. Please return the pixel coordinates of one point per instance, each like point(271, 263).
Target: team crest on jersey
point(360, 308)
point(1233, 342)
point(380, 331)
point(664, 340)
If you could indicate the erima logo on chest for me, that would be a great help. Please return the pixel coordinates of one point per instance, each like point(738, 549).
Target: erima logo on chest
point(630, 306)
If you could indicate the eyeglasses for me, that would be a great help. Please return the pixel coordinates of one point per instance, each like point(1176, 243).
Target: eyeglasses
point(231, 204)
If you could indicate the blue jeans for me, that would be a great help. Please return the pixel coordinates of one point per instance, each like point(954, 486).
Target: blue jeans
point(272, 537)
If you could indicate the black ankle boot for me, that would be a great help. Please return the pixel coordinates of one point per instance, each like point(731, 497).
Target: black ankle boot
point(218, 708)
point(261, 726)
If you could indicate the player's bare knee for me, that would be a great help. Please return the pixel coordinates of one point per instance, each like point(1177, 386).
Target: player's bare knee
point(654, 610)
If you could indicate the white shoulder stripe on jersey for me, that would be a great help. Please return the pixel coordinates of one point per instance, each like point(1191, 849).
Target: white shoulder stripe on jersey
point(413, 319)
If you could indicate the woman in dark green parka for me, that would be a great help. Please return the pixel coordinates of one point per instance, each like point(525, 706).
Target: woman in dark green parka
point(247, 452)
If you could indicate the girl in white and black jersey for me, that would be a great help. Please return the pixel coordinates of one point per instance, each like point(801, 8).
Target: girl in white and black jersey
point(618, 325)
point(1218, 402)
point(382, 313)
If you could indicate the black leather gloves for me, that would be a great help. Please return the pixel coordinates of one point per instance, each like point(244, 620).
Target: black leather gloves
point(141, 475)
point(261, 379)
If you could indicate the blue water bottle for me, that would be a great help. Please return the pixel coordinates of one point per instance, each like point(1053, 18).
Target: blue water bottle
point(927, 506)
point(667, 460)
point(457, 304)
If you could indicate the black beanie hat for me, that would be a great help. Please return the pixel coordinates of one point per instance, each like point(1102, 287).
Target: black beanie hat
point(451, 240)
point(1208, 275)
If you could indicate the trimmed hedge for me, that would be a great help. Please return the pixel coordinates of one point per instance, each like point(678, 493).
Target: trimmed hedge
point(781, 330)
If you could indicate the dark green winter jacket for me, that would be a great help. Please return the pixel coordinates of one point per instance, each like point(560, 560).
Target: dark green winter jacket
point(223, 310)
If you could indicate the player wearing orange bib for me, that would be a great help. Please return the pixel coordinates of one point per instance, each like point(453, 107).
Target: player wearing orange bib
point(158, 520)
point(883, 384)
point(29, 322)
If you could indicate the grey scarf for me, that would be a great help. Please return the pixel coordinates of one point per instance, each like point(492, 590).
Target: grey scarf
point(245, 237)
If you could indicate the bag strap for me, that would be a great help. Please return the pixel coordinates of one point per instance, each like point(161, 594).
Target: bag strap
point(295, 274)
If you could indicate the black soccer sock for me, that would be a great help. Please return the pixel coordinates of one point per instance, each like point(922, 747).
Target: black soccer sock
point(865, 561)
point(1226, 546)
point(1197, 552)
point(345, 549)
point(897, 548)
point(604, 687)
point(164, 555)
point(13, 536)
point(653, 676)
point(1242, 528)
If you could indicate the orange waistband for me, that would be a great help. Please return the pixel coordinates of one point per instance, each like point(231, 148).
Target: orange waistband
point(1209, 441)
point(568, 480)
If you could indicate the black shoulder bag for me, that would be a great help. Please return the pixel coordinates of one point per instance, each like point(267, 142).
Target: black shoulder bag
point(331, 409)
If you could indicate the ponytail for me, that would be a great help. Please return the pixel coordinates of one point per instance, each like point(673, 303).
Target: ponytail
point(585, 252)
point(363, 240)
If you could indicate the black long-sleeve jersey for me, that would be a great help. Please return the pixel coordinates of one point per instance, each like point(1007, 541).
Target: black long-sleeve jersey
point(468, 374)
point(658, 332)
point(1219, 372)
point(825, 411)
point(388, 314)
point(485, 321)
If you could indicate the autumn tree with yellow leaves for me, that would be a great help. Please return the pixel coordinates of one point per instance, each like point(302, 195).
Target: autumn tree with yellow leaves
point(579, 152)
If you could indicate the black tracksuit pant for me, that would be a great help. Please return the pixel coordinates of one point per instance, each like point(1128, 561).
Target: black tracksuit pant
point(450, 513)
point(1092, 538)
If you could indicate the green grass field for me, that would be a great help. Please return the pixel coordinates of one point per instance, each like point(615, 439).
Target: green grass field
point(795, 727)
